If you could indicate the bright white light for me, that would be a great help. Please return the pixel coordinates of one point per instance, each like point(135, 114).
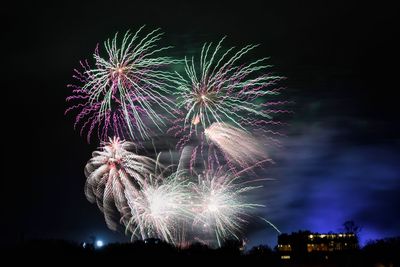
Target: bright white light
point(157, 204)
point(99, 243)
point(212, 204)
point(212, 207)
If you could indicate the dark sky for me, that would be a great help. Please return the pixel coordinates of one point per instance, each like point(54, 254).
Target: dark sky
point(340, 160)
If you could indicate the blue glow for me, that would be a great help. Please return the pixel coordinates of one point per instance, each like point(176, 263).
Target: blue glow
point(99, 243)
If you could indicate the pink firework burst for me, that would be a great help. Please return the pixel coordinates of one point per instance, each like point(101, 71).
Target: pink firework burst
point(126, 90)
point(91, 119)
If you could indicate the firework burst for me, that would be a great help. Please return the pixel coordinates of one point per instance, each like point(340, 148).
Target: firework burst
point(119, 93)
point(220, 206)
point(222, 91)
point(224, 109)
point(134, 191)
point(90, 117)
point(161, 209)
point(115, 174)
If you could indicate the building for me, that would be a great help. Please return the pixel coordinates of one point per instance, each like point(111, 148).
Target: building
point(306, 243)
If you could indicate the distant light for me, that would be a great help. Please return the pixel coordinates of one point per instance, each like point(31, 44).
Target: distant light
point(99, 243)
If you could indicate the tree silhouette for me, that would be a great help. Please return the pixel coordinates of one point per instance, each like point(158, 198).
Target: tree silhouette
point(351, 227)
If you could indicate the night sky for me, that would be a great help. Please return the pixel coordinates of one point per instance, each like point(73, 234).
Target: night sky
point(340, 160)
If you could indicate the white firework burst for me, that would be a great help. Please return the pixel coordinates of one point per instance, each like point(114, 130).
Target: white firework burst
point(220, 205)
point(115, 174)
point(160, 210)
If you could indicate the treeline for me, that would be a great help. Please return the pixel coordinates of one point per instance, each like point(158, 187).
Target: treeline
point(383, 252)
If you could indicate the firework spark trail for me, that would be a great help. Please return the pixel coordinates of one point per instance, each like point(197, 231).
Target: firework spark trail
point(237, 145)
point(123, 87)
point(219, 205)
point(113, 174)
